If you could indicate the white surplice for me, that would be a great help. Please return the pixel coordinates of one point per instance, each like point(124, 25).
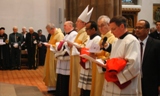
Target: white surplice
point(127, 48)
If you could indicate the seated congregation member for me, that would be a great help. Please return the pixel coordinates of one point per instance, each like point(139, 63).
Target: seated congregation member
point(85, 79)
point(41, 48)
point(24, 54)
point(50, 76)
point(150, 61)
point(15, 40)
point(63, 60)
point(31, 43)
point(122, 75)
point(97, 72)
point(4, 49)
point(24, 33)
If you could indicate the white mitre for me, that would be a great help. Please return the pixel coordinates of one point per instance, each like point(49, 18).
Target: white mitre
point(85, 15)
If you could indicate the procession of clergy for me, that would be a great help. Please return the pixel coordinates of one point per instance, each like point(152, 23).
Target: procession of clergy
point(68, 73)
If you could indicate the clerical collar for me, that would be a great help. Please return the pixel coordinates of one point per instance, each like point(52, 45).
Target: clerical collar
point(70, 32)
point(124, 35)
point(94, 35)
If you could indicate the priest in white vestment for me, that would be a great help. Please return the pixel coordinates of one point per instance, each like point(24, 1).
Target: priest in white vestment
point(127, 48)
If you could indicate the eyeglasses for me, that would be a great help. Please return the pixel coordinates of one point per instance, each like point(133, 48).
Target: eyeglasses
point(138, 28)
point(101, 25)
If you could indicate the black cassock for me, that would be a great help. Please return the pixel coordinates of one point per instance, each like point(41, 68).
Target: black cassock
point(42, 50)
point(4, 53)
point(32, 49)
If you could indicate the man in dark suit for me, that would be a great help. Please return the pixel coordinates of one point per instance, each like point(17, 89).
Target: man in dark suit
point(150, 59)
point(41, 48)
point(48, 37)
point(4, 49)
point(156, 34)
point(24, 33)
point(15, 40)
point(31, 43)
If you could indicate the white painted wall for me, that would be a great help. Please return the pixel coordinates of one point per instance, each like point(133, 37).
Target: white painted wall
point(57, 12)
point(30, 13)
point(37, 13)
point(147, 10)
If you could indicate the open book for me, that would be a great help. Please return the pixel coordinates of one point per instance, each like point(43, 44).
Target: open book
point(94, 48)
point(97, 61)
point(51, 47)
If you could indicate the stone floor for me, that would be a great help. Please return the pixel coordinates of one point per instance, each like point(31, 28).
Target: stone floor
point(19, 90)
point(25, 77)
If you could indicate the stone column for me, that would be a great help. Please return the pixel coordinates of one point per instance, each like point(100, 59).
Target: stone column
point(101, 7)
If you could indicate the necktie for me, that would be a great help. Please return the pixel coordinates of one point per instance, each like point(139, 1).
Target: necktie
point(15, 38)
point(141, 43)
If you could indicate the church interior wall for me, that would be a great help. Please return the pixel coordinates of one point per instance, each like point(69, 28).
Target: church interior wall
point(37, 13)
point(147, 10)
point(30, 13)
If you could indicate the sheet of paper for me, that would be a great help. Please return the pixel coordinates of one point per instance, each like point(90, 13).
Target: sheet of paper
point(94, 48)
point(97, 61)
point(52, 49)
point(74, 44)
point(44, 43)
point(1, 42)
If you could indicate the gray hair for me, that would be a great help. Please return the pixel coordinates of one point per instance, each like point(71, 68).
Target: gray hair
point(50, 25)
point(105, 19)
point(69, 22)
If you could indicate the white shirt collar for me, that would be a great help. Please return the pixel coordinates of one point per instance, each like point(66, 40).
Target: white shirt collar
point(144, 41)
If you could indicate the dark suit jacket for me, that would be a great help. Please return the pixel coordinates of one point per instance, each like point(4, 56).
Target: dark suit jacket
point(23, 47)
point(42, 38)
point(48, 37)
point(4, 37)
point(13, 39)
point(30, 39)
point(151, 68)
point(4, 51)
point(155, 35)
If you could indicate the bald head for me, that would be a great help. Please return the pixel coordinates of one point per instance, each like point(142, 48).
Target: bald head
point(31, 30)
point(68, 26)
point(15, 29)
point(23, 30)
